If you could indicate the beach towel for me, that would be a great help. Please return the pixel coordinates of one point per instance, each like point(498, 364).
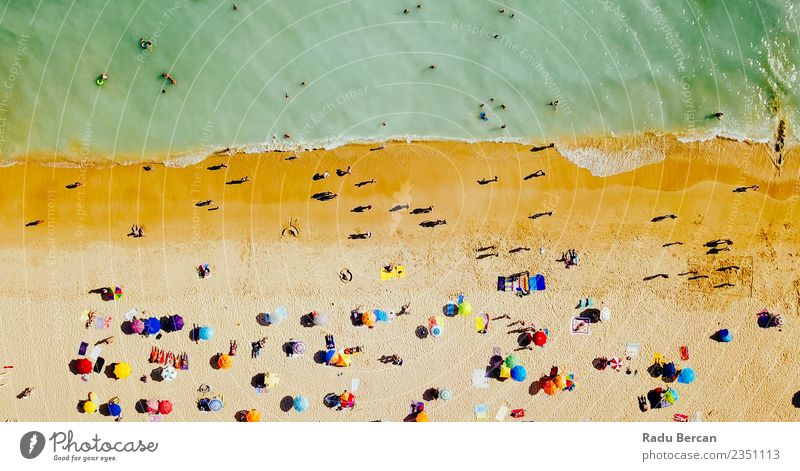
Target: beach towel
point(632, 350)
point(502, 413)
point(481, 411)
point(501, 283)
point(399, 271)
point(479, 379)
point(581, 326)
point(538, 283)
point(480, 325)
point(96, 352)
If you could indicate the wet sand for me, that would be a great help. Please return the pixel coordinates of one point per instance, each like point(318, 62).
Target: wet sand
point(83, 245)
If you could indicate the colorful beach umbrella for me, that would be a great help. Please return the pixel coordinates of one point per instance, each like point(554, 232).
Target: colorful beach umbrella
point(615, 363)
point(298, 347)
point(224, 361)
point(164, 407)
point(329, 354)
point(422, 417)
point(137, 326)
point(686, 376)
point(300, 403)
point(670, 370)
point(117, 292)
point(89, 407)
point(518, 373)
point(205, 333)
point(505, 372)
point(253, 416)
point(152, 326)
point(347, 399)
point(549, 388)
point(122, 370)
point(340, 359)
point(465, 308)
point(560, 381)
point(319, 318)
point(83, 366)
point(152, 406)
point(176, 322)
point(450, 309)
point(169, 373)
point(114, 409)
point(539, 338)
point(671, 396)
point(368, 319)
point(512, 360)
point(216, 404)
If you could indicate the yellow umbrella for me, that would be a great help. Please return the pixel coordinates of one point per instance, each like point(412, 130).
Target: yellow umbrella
point(224, 361)
point(271, 380)
point(560, 381)
point(122, 370)
point(253, 416)
point(89, 407)
point(505, 372)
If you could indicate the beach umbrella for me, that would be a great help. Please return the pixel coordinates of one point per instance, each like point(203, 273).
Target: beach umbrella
point(560, 381)
point(122, 370)
point(117, 292)
point(152, 326)
point(329, 354)
point(778, 321)
point(437, 331)
point(505, 372)
point(89, 407)
point(347, 399)
point(615, 363)
point(465, 308)
point(164, 407)
point(205, 333)
point(518, 373)
point(671, 396)
point(271, 380)
point(169, 373)
point(605, 314)
point(298, 347)
point(279, 315)
point(381, 315)
point(253, 416)
point(137, 326)
point(176, 322)
point(319, 318)
point(670, 370)
point(152, 406)
point(446, 394)
point(331, 400)
point(215, 405)
point(224, 361)
point(539, 338)
point(341, 359)
point(686, 376)
point(725, 335)
point(390, 316)
point(549, 388)
point(368, 319)
point(114, 409)
point(422, 417)
point(512, 360)
point(83, 366)
point(300, 403)
point(450, 309)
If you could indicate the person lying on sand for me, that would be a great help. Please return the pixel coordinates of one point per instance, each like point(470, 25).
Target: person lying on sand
point(324, 196)
point(342, 173)
point(169, 77)
point(422, 210)
point(435, 223)
point(360, 235)
point(484, 181)
point(538, 215)
point(34, 223)
point(404, 309)
point(74, 185)
point(136, 231)
point(321, 176)
point(519, 249)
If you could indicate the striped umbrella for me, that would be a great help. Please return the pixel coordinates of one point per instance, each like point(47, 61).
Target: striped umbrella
point(615, 363)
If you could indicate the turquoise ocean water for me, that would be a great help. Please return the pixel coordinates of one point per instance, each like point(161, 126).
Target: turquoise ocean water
point(616, 68)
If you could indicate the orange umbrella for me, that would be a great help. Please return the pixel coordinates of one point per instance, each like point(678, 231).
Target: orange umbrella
point(549, 387)
point(422, 417)
point(347, 399)
point(224, 361)
point(253, 416)
point(368, 319)
point(560, 382)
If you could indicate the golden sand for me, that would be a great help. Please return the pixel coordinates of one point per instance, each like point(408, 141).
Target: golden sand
point(82, 245)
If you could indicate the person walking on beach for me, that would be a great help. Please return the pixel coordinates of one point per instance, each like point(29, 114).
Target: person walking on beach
point(536, 174)
point(365, 183)
point(361, 209)
point(484, 181)
point(422, 210)
point(661, 218)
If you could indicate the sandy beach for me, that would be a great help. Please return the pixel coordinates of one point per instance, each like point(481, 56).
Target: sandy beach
point(83, 245)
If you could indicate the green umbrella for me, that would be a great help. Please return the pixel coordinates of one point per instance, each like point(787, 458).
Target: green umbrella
point(512, 360)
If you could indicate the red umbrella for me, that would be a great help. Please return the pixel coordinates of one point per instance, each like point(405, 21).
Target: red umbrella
point(164, 407)
point(539, 338)
point(83, 366)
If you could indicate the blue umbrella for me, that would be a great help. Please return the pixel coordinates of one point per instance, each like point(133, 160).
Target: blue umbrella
point(518, 373)
point(381, 315)
point(725, 335)
point(114, 409)
point(215, 404)
point(205, 333)
point(686, 376)
point(300, 404)
point(152, 325)
point(450, 310)
point(670, 370)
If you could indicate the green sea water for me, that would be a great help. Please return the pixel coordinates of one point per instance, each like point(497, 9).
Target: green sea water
point(616, 68)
